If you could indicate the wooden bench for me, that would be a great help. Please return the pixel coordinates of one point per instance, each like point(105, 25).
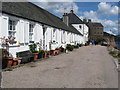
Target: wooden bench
point(26, 56)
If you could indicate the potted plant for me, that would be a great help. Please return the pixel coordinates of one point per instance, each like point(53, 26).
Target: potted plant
point(69, 47)
point(33, 49)
point(35, 55)
point(45, 54)
point(19, 60)
point(15, 62)
point(41, 53)
point(7, 60)
point(59, 50)
point(62, 49)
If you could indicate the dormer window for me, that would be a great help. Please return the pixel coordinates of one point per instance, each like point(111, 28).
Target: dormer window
point(80, 26)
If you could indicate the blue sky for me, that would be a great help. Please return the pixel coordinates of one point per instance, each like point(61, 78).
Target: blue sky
point(103, 12)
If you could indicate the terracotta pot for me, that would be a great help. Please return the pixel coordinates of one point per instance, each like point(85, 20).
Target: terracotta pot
point(35, 56)
point(51, 52)
point(15, 62)
point(9, 62)
point(19, 61)
point(44, 55)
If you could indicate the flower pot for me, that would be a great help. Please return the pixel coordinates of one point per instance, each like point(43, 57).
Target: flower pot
point(9, 62)
point(40, 55)
point(48, 54)
point(44, 55)
point(51, 52)
point(19, 61)
point(35, 56)
point(15, 61)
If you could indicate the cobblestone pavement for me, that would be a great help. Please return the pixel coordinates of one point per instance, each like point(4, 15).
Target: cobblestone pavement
point(86, 67)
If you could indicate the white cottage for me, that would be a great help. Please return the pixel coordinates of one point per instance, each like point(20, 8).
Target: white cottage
point(29, 23)
point(70, 19)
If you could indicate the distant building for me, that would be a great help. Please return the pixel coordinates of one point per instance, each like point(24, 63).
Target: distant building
point(96, 30)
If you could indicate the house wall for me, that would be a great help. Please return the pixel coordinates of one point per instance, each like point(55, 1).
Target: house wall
point(22, 33)
point(61, 37)
point(96, 32)
point(83, 29)
point(0, 28)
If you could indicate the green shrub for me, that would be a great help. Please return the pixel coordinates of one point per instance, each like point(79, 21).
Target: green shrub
point(100, 43)
point(33, 48)
point(62, 49)
point(41, 51)
point(86, 44)
point(118, 55)
point(80, 45)
point(112, 52)
point(9, 69)
point(69, 47)
point(4, 53)
point(76, 46)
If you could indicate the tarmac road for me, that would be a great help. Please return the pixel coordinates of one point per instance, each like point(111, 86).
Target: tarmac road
point(86, 67)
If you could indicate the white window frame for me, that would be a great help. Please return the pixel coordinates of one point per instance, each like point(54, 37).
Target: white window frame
point(31, 32)
point(12, 28)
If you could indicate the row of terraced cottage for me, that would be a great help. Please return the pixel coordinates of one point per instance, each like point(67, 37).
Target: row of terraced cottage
point(29, 23)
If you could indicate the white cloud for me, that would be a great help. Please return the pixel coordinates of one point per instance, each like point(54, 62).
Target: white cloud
point(51, 0)
point(91, 14)
point(107, 9)
point(109, 23)
point(58, 7)
point(110, 32)
point(104, 9)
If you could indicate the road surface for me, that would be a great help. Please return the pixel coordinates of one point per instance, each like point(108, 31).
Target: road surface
point(86, 67)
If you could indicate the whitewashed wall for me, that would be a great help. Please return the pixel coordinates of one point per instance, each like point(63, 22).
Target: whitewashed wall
point(4, 28)
point(0, 22)
point(83, 30)
point(22, 33)
point(61, 37)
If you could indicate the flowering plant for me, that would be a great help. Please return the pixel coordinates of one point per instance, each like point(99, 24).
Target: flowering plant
point(6, 41)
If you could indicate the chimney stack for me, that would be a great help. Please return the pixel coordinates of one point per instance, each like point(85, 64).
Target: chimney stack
point(89, 20)
point(85, 20)
point(66, 19)
point(71, 11)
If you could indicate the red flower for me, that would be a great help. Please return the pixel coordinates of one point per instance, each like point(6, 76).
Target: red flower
point(9, 36)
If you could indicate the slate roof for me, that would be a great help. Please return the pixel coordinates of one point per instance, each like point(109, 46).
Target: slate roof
point(32, 12)
point(73, 19)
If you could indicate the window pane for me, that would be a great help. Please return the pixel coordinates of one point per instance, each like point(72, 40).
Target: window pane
point(10, 22)
point(13, 22)
point(10, 33)
point(14, 27)
point(10, 27)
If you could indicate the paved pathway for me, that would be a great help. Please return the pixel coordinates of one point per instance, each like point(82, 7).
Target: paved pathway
point(87, 67)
